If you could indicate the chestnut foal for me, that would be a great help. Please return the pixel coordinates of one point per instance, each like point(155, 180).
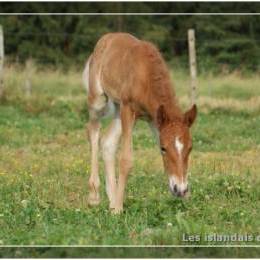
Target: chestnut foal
point(128, 77)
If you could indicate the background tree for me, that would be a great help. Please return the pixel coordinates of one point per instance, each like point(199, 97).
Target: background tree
point(231, 41)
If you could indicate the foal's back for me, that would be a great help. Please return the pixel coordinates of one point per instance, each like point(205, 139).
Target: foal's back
point(123, 65)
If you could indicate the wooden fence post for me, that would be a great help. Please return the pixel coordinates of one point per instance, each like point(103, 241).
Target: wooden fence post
point(119, 21)
point(1, 62)
point(193, 66)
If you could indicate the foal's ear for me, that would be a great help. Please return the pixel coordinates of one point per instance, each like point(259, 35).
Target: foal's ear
point(190, 116)
point(161, 116)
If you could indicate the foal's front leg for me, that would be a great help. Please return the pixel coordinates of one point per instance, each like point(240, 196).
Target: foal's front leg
point(109, 147)
point(125, 161)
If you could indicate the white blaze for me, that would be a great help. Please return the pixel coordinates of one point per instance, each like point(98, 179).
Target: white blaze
point(178, 145)
point(180, 183)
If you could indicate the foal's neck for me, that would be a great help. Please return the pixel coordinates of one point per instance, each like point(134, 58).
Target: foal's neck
point(170, 103)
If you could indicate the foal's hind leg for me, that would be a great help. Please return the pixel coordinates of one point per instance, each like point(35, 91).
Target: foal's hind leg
point(93, 129)
point(109, 146)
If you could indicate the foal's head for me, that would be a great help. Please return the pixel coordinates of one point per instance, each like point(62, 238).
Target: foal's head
point(176, 144)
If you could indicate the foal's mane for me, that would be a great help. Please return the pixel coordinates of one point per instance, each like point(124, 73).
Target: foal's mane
point(160, 82)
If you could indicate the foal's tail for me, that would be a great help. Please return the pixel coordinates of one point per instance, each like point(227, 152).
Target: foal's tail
point(85, 75)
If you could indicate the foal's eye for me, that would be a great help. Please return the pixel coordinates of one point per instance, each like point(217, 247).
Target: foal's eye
point(163, 150)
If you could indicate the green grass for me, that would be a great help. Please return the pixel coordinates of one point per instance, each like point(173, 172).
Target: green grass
point(45, 165)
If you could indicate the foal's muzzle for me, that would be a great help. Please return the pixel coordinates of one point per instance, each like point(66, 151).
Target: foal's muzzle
point(179, 190)
point(179, 193)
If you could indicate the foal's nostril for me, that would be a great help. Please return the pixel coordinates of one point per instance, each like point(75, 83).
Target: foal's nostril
point(175, 189)
point(182, 193)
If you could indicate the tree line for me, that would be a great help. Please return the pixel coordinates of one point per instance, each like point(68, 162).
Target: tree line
point(65, 40)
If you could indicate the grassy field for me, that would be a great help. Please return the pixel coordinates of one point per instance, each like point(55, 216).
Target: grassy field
point(44, 168)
